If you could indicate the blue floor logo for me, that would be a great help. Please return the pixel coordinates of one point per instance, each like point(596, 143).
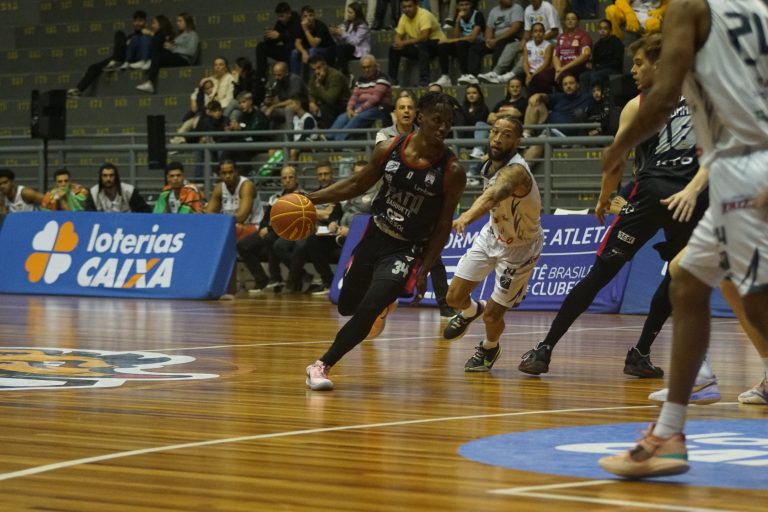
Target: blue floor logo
point(722, 453)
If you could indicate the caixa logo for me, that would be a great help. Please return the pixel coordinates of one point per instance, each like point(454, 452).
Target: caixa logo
point(129, 260)
point(113, 258)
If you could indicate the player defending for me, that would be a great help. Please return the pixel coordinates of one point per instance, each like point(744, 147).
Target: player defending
point(720, 46)
point(410, 223)
point(509, 243)
point(666, 196)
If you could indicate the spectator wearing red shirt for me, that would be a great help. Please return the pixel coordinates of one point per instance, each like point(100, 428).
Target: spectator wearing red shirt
point(572, 50)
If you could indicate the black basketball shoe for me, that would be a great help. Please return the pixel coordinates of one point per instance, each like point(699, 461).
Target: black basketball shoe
point(641, 366)
point(536, 360)
point(458, 324)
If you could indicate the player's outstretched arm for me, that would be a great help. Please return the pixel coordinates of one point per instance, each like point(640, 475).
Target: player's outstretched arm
point(355, 185)
point(511, 181)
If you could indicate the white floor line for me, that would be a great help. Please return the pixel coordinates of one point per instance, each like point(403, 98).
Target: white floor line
point(618, 503)
point(547, 487)
point(197, 444)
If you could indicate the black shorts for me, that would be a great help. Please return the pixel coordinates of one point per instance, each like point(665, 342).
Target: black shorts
point(379, 256)
point(644, 215)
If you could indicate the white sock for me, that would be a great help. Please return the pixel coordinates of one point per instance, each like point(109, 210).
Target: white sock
point(671, 420)
point(705, 372)
point(471, 310)
point(489, 345)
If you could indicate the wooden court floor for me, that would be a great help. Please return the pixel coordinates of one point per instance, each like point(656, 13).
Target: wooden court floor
point(234, 428)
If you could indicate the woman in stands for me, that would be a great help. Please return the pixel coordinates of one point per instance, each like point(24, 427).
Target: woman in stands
point(353, 37)
point(170, 51)
point(245, 81)
point(474, 112)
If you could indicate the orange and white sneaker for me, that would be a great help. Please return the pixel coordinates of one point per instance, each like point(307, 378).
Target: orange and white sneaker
point(381, 320)
point(317, 376)
point(652, 456)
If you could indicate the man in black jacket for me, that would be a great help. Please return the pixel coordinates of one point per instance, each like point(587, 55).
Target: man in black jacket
point(277, 44)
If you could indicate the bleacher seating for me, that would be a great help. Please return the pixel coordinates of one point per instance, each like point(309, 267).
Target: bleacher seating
point(55, 41)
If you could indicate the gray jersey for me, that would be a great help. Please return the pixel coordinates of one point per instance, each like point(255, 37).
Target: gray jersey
point(727, 88)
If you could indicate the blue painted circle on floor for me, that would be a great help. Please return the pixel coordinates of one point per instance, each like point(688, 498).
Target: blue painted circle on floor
point(722, 453)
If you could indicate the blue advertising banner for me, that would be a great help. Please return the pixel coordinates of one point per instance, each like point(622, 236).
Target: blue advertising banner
point(569, 252)
point(117, 254)
point(647, 272)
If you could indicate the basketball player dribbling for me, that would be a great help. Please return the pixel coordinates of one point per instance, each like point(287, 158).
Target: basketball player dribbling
point(410, 222)
point(721, 47)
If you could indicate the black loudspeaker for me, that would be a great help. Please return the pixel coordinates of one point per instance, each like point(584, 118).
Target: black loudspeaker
point(48, 114)
point(156, 152)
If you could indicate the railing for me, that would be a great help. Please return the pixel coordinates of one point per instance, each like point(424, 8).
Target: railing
point(134, 147)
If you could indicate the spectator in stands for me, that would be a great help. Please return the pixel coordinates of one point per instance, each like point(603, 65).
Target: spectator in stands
point(607, 58)
point(321, 248)
point(353, 37)
point(328, 92)
point(465, 45)
point(404, 116)
point(567, 107)
point(503, 34)
point(539, 11)
point(596, 113)
point(17, 198)
point(236, 195)
point(178, 196)
point(285, 86)
point(66, 196)
point(277, 44)
point(381, 11)
point(112, 195)
point(371, 100)
point(249, 118)
point(315, 39)
point(126, 49)
point(256, 248)
point(304, 125)
point(639, 16)
point(223, 85)
point(570, 106)
point(537, 62)
point(514, 103)
point(573, 49)
point(200, 97)
point(245, 81)
point(416, 37)
point(182, 50)
point(474, 112)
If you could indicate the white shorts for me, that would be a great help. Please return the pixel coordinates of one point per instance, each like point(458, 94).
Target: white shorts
point(513, 264)
point(731, 240)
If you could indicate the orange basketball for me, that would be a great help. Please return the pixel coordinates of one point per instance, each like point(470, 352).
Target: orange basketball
point(293, 217)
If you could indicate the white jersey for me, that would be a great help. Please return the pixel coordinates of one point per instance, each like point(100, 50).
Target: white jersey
point(727, 88)
point(18, 204)
point(230, 202)
point(121, 203)
point(536, 54)
point(515, 220)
